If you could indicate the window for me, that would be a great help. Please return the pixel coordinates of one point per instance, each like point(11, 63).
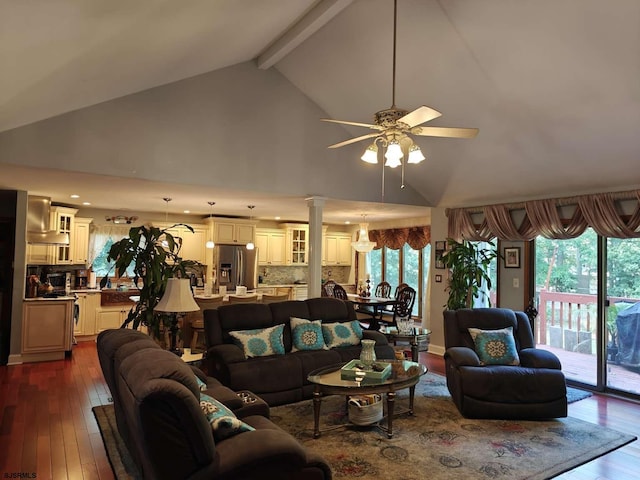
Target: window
point(101, 239)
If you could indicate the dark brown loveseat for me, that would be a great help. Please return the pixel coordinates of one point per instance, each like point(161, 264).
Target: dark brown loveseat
point(278, 379)
point(157, 401)
point(534, 389)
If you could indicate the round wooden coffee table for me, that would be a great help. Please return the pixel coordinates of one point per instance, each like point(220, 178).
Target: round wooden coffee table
point(328, 381)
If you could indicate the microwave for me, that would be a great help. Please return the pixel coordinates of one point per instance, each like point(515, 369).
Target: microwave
point(61, 282)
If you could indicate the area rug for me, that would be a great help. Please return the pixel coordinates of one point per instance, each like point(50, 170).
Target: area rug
point(438, 443)
point(123, 466)
point(435, 443)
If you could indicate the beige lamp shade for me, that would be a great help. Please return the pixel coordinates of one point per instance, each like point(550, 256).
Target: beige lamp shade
point(177, 297)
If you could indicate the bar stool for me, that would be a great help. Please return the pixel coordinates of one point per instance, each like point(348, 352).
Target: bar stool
point(197, 322)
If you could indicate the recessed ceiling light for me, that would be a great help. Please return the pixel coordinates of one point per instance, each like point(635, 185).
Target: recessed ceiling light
point(86, 203)
point(347, 222)
point(75, 196)
point(186, 211)
point(277, 218)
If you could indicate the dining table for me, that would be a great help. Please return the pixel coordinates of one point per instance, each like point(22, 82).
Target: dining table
point(377, 304)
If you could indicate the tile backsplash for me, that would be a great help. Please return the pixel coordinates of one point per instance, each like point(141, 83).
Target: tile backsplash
point(286, 275)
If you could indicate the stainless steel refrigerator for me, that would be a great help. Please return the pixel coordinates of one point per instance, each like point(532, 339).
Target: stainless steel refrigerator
point(236, 266)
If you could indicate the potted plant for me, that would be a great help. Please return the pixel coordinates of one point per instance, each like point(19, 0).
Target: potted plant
point(469, 266)
point(154, 254)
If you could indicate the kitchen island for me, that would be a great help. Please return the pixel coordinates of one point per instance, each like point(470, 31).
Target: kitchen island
point(47, 328)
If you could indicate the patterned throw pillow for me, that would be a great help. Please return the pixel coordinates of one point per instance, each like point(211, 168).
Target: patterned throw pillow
point(342, 334)
point(495, 347)
point(260, 342)
point(307, 334)
point(224, 423)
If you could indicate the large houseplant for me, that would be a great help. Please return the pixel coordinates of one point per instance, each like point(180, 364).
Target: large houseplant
point(154, 255)
point(469, 269)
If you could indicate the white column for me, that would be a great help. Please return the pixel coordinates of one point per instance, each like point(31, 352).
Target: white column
point(315, 205)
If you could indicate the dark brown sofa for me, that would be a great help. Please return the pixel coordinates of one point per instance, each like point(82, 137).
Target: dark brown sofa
point(535, 389)
point(278, 379)
point(157, 401)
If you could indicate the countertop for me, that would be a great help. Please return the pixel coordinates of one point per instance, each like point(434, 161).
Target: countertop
point(52, 299)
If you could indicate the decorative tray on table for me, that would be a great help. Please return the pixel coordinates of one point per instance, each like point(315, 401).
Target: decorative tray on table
point(355, 368)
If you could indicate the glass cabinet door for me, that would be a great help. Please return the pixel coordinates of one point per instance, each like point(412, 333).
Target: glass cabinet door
point(299, 246)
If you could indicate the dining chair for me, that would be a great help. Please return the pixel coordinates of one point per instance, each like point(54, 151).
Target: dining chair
point(327, 288)
point(404, 304)
point(388, 313)
point(383, 290)
point(339, 292)
point(197, 320)
point(243, 299)
point(399, 288)
point(266, 298)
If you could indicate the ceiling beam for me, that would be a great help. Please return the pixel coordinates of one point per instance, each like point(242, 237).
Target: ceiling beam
point(313, 21)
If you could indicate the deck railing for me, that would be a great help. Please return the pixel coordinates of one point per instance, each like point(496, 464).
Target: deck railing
point(569, 320)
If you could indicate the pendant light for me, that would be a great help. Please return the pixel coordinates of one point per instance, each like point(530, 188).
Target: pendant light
point(165, 244)
point(250, 245)
point(363, 245)
point(210, 243)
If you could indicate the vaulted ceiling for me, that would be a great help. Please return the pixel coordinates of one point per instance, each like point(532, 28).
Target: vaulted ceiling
point(553, 85)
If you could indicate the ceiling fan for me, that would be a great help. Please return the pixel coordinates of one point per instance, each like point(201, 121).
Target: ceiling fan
point(394, 126)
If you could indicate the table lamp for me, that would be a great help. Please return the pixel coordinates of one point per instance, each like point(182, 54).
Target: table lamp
point(177, 299)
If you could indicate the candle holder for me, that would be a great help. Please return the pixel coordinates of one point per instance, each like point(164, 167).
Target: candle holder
point(368, 288)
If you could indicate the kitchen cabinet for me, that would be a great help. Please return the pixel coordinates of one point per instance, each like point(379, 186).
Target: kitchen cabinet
point(80, 240)
point(300, 292)
point(337, 249)
point(266, 290)
point(111, 317)
point(38, 254)
point(271, 246)
point(62, 219)
point(297, 244)
point(88, 304)
point(46, 327)
point(193, 243)
point(233, 232)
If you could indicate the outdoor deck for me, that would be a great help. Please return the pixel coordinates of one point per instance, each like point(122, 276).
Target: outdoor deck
point(582, 367)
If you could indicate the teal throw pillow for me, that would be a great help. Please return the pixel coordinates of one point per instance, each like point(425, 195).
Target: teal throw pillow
point(224, 423)
point(260, 342)
point(342, 334)
point(307, 334)
point(495, 347)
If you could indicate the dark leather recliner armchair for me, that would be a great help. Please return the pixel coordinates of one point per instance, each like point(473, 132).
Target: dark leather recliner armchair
point(535, 389)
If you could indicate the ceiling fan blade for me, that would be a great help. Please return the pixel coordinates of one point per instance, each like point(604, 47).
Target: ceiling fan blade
point(420, 115)
point(354, 140)
point(447, 132)
point(357, 124)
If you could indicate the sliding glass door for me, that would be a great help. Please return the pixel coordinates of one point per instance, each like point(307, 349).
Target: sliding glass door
point(575, 280)
point(622, 348)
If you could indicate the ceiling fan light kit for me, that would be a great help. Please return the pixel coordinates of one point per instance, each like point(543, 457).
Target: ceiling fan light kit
point(394, 127)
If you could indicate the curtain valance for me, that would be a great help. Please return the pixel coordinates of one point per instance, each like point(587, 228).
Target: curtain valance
point(395, 238)
point(602, 212)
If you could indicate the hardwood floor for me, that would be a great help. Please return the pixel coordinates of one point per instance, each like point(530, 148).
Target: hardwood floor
point(47, 427)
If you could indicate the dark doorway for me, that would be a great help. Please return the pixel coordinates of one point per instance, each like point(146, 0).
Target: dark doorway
point(7, 250)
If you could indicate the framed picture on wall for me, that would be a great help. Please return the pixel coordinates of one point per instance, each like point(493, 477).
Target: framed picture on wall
point(440, 248)
point(512, 257)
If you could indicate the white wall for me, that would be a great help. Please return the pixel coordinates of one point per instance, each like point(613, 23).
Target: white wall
point(438, 297)
point(236, 128)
